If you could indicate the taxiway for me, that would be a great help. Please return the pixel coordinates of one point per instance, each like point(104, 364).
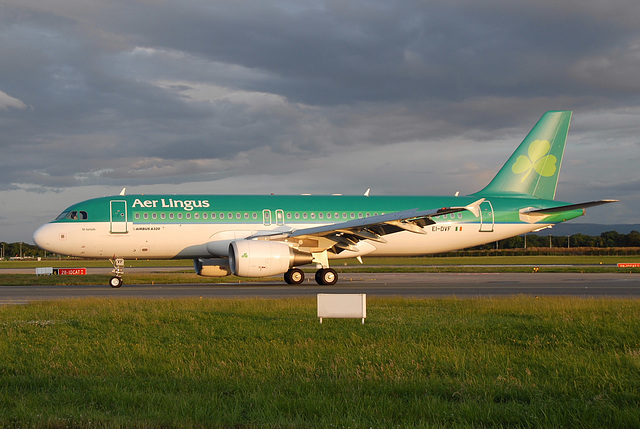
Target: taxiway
point(408, 285)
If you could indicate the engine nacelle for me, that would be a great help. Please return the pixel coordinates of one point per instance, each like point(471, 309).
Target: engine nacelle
point(218, 267)
point(253, 258)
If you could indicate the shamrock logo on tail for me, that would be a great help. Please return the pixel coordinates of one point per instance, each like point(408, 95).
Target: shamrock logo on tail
point(538, 160)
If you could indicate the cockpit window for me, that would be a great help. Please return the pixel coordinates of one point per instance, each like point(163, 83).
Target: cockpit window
point(74, 215)
point(62, 215)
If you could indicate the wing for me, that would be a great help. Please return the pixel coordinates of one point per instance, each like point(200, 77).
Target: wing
point(345, 235)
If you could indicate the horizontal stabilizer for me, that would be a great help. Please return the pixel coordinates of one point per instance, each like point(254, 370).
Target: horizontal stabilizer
point(569, 207)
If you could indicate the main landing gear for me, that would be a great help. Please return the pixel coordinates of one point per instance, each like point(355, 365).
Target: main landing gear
point(294, 276)
point(118, 271)
point(324, 276)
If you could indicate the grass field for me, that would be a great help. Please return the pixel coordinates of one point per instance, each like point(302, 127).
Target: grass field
point(508, 362)
point(184, 268)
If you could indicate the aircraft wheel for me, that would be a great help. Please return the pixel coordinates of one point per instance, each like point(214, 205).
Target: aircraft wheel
point(294, 276)
point(326, 277)
point(115, 282)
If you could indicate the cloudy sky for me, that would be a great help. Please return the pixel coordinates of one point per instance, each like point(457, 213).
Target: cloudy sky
point(294, 96)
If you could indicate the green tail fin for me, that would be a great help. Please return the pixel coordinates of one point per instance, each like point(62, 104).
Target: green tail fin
point(533, 168)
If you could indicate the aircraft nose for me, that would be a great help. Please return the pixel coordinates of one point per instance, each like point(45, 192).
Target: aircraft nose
point(42, 237)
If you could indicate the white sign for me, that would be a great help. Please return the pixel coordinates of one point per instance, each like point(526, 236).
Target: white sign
point(344, 305)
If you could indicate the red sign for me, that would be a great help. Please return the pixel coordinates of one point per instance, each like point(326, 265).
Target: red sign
point(72, 271)
point(629, 265)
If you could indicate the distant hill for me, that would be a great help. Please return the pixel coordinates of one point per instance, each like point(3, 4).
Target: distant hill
point(593, 229)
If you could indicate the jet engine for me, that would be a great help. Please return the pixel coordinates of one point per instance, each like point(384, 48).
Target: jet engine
point(253, 258)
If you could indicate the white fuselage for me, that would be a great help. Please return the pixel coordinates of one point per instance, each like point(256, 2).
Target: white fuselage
point(184, 241)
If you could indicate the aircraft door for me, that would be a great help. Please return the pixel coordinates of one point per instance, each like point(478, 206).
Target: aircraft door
point(486, 217)
point(280, 217)
point(266, 217)
point(118, 217)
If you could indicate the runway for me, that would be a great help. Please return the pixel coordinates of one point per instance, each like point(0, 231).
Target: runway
point(408, 285)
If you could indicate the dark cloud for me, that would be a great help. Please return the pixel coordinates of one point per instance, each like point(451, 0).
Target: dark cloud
point(142, 93)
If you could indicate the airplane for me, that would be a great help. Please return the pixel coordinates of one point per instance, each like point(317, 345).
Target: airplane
point(267, 235)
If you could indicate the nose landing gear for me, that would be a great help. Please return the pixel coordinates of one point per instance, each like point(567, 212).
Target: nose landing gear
point(118, 271)
point(115, 281)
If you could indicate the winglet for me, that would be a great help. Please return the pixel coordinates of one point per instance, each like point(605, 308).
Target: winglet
point(122, 192)
point(475, 207)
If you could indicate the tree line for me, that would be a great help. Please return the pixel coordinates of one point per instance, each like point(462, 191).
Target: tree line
point(17, 250)
point(604, 240)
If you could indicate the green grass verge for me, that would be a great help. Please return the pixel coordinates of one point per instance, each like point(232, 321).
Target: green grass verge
point(184, 274)
point(368, 261)
point(506, 362)
point(130, 279)
point(499, 260)
point(95, 263)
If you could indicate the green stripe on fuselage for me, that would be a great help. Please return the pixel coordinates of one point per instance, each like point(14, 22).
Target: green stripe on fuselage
point(297, 209)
